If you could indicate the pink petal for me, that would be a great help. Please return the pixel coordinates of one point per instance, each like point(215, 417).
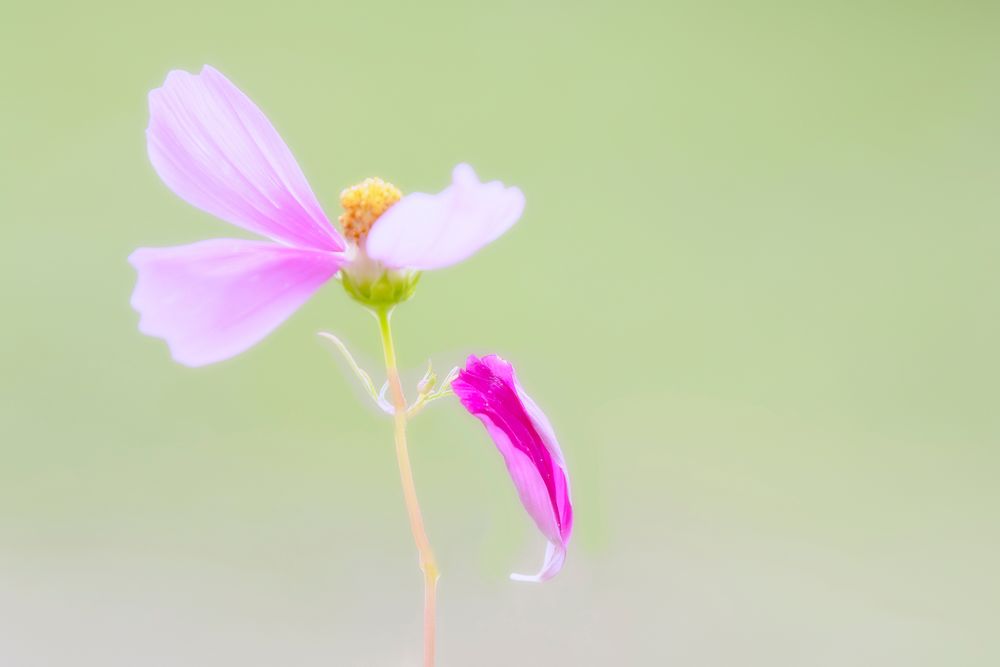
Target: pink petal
point(425, 231)
point(214, 299)
point(490, 391)
point(216, 150)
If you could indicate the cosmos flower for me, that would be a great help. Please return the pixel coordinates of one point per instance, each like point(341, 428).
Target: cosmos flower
point(489, 390)
point(216, 150)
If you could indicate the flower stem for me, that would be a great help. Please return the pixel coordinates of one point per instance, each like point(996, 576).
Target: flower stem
point(427, 563)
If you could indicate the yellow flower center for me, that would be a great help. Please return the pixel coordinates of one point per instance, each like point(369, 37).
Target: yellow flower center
point(363, 204)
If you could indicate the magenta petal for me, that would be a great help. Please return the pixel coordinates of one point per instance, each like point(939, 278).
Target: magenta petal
point(215, 149)
point(214, 299)
point(425, 231)
point(490, 391)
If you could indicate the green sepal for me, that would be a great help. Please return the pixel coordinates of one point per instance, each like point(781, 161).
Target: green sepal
point(390, 288)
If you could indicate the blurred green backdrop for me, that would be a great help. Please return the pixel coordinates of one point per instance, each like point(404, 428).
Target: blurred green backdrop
point(755, 289)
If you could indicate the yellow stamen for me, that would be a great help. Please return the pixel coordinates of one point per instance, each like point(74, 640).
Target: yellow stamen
point(363, 204)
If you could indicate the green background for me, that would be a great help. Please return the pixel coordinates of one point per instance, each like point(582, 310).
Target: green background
point(755, 289)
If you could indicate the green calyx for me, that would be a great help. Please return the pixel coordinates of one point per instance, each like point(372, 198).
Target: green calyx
point(385, 291)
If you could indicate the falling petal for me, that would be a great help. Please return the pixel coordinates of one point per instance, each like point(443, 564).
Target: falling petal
point(489, 390)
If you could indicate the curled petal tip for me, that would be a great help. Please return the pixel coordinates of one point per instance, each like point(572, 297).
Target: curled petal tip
point(555, 555)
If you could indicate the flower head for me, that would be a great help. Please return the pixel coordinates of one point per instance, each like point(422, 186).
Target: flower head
point(216, 150)
point(489, 390)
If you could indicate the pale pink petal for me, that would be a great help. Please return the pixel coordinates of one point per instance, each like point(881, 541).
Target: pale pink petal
point(490, 391)
point(215, 149)
point(214, 299)
point(424, 231)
